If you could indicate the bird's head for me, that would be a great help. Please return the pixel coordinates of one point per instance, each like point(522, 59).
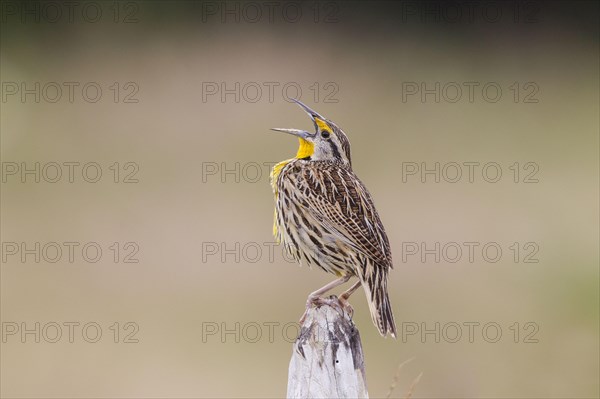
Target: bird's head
point(327, 143)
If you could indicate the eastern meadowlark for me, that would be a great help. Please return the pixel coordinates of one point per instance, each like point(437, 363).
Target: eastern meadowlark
point(324, 216)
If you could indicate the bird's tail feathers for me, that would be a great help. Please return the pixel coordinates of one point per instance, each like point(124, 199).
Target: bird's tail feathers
point(380, 307)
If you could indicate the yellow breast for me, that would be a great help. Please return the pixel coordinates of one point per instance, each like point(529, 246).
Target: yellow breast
point(274, 175)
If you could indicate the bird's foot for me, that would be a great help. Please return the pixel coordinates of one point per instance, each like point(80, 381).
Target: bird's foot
point(319, 301)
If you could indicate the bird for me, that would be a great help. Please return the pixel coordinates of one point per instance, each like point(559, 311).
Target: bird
point(325, 217)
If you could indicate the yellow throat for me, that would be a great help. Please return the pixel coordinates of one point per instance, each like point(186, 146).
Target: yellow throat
point(306, 148)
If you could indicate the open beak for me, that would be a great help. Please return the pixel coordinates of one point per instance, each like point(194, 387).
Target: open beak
point(315, 116)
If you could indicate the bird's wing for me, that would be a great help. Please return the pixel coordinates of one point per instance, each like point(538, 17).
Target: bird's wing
point(340, 201)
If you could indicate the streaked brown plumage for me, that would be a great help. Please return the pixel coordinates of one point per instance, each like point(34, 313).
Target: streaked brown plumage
point(325, 217)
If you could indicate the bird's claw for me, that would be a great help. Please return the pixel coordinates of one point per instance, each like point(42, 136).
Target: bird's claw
point(341, 303)
point(346, 306)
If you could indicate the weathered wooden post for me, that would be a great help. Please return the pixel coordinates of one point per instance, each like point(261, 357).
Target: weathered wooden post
point(327, 357)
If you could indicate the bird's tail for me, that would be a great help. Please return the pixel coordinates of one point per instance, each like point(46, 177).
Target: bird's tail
point(379, 305)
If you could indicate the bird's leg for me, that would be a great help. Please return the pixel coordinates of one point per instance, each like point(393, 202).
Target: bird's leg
point(314, 298)
point(345, 295)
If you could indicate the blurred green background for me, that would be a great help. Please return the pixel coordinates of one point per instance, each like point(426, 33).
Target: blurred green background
point(194, 151)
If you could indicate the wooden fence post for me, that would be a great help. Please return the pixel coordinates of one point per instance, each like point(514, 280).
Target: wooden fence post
point(327, 357)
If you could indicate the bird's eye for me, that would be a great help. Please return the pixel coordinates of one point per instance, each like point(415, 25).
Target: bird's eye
point(325, 134)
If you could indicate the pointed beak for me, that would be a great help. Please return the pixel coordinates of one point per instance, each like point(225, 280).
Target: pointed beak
point(314, 115)
point(296, 132)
